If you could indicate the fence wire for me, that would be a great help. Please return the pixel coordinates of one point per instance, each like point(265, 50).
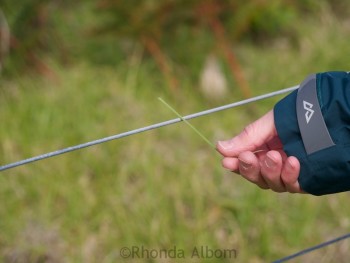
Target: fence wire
point(307, 250)
point(143, 129)
point(169, 122)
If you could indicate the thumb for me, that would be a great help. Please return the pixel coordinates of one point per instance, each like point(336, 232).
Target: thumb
point(252, 137)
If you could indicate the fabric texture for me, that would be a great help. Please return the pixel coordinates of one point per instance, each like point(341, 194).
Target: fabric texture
point(326, 171)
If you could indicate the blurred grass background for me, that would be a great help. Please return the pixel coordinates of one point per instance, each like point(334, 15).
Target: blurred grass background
point(78, 71)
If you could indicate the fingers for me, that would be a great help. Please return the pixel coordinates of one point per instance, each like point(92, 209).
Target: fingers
point(252, 137)
point(270, 168)
point(230, 163)
point(249, 168)
point(269, 171)
point(290, 173)
point(266, 173)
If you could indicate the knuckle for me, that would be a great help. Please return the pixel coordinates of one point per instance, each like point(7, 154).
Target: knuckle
point(248, 131)
point(271, 177)
point(263, 187)
point(286, 179)
point(253, 178)
point(292, 189)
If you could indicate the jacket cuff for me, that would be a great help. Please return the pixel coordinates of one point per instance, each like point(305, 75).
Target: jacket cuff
point(327, 170)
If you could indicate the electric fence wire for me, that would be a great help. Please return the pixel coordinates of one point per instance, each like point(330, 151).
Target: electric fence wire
point(143, 129)
point(169, 122)
point(307, 250)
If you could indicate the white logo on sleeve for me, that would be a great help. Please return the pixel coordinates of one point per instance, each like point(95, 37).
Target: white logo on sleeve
point(309, 111)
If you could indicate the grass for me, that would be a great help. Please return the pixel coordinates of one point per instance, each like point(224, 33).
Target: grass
point(159, 189)
point(188, 123)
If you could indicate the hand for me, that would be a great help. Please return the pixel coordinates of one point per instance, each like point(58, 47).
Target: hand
point(257, 154)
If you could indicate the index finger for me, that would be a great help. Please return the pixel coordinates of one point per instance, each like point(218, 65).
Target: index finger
point(251, 138)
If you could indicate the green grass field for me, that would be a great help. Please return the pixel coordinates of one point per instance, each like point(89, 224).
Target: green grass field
point(162, 189)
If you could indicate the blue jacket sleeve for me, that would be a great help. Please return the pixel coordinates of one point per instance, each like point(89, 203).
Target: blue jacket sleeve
point(328, 170)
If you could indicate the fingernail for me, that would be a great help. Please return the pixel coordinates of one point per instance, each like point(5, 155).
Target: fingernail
point(289, 166)
point(226, 145)
point(270, 162)
point(244, 165)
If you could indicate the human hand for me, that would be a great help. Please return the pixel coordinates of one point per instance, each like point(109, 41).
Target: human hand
point(257, 154)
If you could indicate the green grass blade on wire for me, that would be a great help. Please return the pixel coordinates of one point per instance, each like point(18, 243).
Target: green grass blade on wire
point(189, 124)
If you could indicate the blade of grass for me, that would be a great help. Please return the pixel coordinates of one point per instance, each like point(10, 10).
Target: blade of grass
point(189, 124)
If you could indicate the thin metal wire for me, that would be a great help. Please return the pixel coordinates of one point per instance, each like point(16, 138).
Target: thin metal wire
point(189, 124)
point(319, 246)
point(143, 129)
point(169, 122)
